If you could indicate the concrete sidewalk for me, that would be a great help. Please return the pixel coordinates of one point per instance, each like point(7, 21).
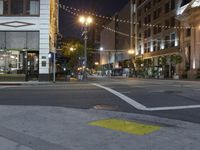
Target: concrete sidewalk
point(25, 83)
point(54, 128)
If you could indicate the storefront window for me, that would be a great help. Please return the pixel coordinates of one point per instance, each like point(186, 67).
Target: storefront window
point(19, 52)
point(9, 62)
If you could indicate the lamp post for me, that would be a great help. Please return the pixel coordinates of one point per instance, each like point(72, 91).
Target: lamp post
point(86, 21)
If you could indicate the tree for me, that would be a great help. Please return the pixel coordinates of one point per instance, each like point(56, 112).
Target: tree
point(73, 49)
point(162, 61)
point(139, 66)
point(74, 55)
point(176, 59)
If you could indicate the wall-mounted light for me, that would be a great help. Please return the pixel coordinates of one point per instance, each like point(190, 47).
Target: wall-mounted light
point(101, 48)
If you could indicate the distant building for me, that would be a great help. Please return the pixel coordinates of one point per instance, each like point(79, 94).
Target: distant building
point(157, 35)
point(107, 45)
point(165, 37)
point(28, 31)
point(189, 16)
point(115, 45)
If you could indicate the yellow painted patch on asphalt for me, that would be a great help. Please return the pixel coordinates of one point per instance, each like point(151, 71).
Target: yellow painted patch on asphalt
point(130, 127)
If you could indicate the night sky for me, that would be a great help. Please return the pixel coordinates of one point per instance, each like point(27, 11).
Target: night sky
point(68, 23)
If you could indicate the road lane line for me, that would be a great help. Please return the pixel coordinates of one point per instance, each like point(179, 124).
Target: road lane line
point(139, 106)
point(173, 108)
point(123, 97)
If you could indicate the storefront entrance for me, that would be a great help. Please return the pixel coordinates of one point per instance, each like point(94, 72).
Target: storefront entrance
point(32, 65)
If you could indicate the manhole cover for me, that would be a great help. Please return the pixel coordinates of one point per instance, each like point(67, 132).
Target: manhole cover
point(172, 92)
point(105, 107)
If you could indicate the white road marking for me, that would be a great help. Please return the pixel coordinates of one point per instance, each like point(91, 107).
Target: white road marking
point(139, 106)
point(124, 97)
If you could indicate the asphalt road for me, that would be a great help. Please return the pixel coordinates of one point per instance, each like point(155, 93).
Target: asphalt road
point(84, 95)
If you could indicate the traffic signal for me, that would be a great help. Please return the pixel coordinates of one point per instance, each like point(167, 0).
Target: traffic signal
point(59, 41)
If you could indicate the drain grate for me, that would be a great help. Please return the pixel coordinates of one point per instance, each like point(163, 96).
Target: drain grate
point(105, 107)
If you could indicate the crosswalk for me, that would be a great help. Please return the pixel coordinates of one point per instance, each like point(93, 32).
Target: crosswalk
point(142, 107)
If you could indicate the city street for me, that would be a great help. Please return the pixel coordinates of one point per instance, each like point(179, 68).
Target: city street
point(101, 113)
point(164, 98)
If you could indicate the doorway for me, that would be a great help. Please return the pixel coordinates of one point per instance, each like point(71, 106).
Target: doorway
point(32, 65)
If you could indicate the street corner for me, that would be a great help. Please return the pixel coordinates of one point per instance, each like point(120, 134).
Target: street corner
point(126, 126)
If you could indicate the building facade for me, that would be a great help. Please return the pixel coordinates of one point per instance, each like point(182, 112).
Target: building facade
point(189, 18)
point(107, 45)
point(157, 36)
point(115, 39)
point(165, 37)
point(28, 31)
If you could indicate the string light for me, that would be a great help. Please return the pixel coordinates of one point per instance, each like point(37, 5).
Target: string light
point(115, 31)
point(124, 21)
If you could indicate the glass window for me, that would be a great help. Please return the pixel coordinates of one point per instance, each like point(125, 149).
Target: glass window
point(1, 7)
point(33, 7)
point(167, 7)
point(173, 38)
point(13, 58)
point(173, 4)
point(15, 40)
point(154, 46)
point(33, 40)
point(2, 40)
point(188, 32)
point(184, 2)
point(167, 41)
point(17, 7)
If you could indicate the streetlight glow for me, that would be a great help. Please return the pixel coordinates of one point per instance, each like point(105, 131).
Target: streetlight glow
point(82, 19)
point(72, 49)
point(89, 20)
point(96, 63)
point(49, 55)
point(85, 20)
point(131, 52)
point(101, 49)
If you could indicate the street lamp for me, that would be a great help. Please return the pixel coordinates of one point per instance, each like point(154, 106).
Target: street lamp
point(131, 52)
point(101, 49)
point(96, 63)
point(86, 21)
